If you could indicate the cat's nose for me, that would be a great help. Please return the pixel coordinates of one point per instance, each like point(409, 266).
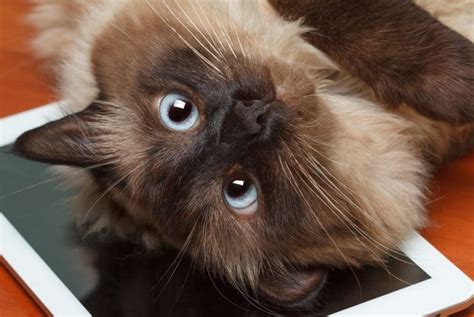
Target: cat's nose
point(251, 114)
point(245, 120)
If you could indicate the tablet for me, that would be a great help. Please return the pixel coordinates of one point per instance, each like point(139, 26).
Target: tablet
point(71, 274)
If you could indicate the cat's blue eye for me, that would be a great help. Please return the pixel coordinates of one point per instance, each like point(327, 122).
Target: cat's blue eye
point(178, 112)
point(240, 194)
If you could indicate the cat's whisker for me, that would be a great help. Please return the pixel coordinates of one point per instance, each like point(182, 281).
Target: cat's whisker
point(315, 164)
point(205, 59)
point(213, 29)
point(110, 188)
point(323, 172)
point(190, 31)
point(377, 244)
point(206, 23)
point(355, 227)
point(206, 262)
point(199, 31)
point(52, 179)
point(234, 28)
point(236, 31)
point(386, 249)
point(254, 302)
point(225, 35)
point(180, 254)
point(180, 292)
point(29, 187)
point(245, 295)
point(186, 42)
point(323, 197)
point(305, 138)
point(234, 281)
point(206, 268)
point(287, 174)
point(177, 260)
point(308, 205)
point(319, 152)
point(107, 103)
point(390, 274)
point(242, 15)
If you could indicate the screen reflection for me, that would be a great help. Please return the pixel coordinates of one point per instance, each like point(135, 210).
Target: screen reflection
point(132, 281)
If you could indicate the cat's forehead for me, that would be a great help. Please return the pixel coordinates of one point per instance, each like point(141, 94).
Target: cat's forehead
point(121, 64)
point(200, 44)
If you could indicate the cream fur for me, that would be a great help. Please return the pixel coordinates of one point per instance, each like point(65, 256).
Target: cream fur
point(67, 30)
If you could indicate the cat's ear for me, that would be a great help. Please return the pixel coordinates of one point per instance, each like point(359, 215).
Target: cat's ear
point(293, 289)
point(401, 52)
point(67, 141)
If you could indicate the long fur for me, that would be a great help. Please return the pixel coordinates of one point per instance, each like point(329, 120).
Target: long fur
point(374, 170)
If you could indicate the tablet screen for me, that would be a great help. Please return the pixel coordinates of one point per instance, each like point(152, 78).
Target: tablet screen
point(116, 278)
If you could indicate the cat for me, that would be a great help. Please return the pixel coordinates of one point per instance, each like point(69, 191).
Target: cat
point(270, 141)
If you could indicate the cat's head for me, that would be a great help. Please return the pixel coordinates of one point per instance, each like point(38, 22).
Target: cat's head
point(210, 136)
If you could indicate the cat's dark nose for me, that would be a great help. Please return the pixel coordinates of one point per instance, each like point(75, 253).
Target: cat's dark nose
point(245, 120)
point(251, 114)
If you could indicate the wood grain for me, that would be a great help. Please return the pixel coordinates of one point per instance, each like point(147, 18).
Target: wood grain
point(14, 299)
point(23, 86)
point(451, 213)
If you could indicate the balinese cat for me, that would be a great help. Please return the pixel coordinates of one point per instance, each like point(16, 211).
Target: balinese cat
point(269, 141)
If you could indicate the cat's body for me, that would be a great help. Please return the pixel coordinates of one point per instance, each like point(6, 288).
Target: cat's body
point(343, 175)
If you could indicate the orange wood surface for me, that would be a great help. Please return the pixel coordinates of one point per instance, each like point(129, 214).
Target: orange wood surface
point(23, 86)
point(14, 299)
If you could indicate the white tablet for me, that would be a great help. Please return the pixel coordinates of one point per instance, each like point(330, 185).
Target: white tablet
point(72, 275)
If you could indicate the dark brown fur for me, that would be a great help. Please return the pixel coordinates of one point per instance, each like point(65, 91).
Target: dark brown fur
point(395, 47)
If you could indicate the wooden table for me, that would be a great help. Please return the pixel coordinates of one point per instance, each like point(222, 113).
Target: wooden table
point(23, 86)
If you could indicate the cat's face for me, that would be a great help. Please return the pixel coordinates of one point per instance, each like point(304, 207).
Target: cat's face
point(217, 146)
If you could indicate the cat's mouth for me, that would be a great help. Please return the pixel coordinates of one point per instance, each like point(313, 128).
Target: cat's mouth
point(295, 289)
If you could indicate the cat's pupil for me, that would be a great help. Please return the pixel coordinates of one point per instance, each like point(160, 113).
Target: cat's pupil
point(180, 110)
point(238, 187)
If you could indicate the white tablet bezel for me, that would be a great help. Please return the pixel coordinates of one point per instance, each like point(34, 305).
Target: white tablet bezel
point(36, 274)
point(447, 289)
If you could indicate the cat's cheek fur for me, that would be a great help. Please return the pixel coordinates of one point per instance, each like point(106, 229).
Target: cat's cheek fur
point(389, 173)
point(110, 213)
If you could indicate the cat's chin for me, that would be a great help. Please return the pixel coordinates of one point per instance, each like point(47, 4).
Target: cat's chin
point(296, 289)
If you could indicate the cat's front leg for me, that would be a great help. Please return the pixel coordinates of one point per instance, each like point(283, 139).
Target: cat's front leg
point(401, 52)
